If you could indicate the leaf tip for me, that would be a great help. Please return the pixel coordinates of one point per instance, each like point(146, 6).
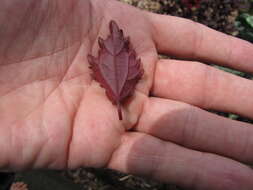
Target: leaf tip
point(113, 25)
point(114, 28)
point(101, 42)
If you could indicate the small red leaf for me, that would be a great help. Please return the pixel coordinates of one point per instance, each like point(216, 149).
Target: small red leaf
point(116, 68)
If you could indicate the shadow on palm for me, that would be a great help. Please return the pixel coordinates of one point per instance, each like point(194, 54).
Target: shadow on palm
point(54, 115)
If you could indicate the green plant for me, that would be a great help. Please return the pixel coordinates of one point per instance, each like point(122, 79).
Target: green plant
point(244, 23)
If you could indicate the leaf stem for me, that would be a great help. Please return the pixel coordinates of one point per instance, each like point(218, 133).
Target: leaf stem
point(119, 111)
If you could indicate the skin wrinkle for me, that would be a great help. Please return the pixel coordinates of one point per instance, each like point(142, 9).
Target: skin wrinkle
point(17, 32)
point(32, 37)
point(76, 105)
point(246, 148)
point(12, 144)
point(87, 139)
point(198, 179)
point(26, 84)
point(206, 101)
point(115, 153)
point(197, 175)
point(153, 158)
point(46, 97)
point(71, 115)
point(201, 173)
point(154, 172)
point(16, 121)
point(19, 149)
point(5, 160)
point(195, 132)
point(219, 80)
point(235, 56)
point(154, 77)
point(37, 154)
point(27, 16)
point(36, 57)
point(53, 53)
point(40, 149)
point(71, 124)
point(53, 18)
point(111, 157)
point(59, 83)
point(29, 113)
point(62, 29)
point(70, 63)
point(197, 40)
point(89, 142)
point(211, 78)
point(230, 52)
point(38, 27)
point(195, 179)
point(229, 176)
point(153, 27)
point(70, 141)
point(226, 138)
point(188, 120)
point(42, 78)
point(36, 81)
point(143, 105)
point(48, 140)
point(73, 121)
point(191, 36)
point(149, 86)
point(68, 79)
point(246, 89)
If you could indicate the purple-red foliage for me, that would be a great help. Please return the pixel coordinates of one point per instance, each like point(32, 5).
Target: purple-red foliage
point(116, 68)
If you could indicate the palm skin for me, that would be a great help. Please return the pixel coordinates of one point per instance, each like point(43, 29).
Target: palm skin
point(54, 115)
point(51, 107)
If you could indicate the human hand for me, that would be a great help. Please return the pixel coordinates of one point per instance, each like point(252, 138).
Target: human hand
point(54, 116)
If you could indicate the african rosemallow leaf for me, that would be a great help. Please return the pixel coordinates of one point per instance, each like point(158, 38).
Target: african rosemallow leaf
point(116, 68)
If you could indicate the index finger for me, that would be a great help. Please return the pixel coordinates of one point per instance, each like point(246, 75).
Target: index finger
point(191, 40)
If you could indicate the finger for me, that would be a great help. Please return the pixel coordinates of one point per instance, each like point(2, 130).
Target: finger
point(197, 129)
point(145, 155)
point(203, 86)
point(187, 39)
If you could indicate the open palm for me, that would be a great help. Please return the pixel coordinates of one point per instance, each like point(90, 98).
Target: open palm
point(54, 115)
point(51, 107)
